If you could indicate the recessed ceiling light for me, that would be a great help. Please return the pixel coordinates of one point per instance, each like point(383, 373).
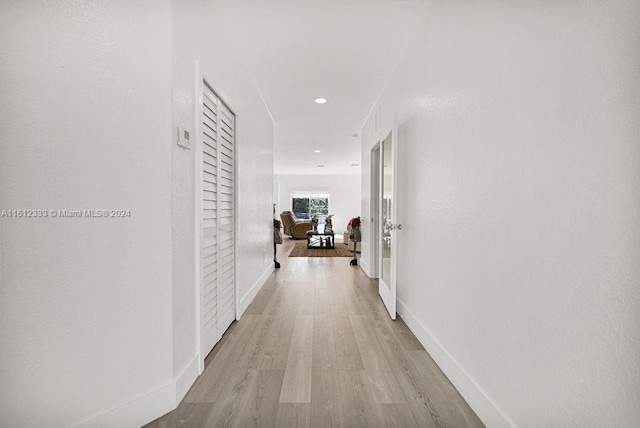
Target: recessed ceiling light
point(320, 166)
point(355, 164)
point(317, 151)
point(320, 100)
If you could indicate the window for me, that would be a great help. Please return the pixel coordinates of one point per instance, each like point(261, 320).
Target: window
point(305, 206)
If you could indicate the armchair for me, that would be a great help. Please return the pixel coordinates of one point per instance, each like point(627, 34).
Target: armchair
point(293, 228)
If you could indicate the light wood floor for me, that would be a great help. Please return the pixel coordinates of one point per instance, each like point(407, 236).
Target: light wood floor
point(316, 348)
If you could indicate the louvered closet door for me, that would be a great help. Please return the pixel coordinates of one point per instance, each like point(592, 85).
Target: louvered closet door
point(209, 238)
point(226, 261)
point(217, 239)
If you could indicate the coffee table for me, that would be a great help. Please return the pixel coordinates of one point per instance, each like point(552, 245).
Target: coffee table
point(320, 239)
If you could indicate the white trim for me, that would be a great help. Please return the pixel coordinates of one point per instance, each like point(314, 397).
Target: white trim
point(148, 407)
point(477, 399)
point(388, 291)
point(137, 412)
point(307, 194)
point(236, 247)
point(374, 211)
point(187, 377)
point(365, 267)
point(222, 96)
point(246, 300)
point(197, 146)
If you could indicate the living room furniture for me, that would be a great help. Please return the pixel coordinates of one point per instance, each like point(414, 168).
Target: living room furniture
point(277, 239)
point(320, 238)
point(353, 228)
point(348, 242)
point(346, 236)
point(295, 229)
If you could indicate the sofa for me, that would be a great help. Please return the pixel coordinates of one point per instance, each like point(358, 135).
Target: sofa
point(297, 229)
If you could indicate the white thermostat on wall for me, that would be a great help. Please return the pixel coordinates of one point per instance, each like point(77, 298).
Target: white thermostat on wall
point(184, 138)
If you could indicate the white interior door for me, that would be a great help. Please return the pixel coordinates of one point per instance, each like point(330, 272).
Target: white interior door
point(217, 247)
point(376, 158)
point(226, 249)
point(388, 227)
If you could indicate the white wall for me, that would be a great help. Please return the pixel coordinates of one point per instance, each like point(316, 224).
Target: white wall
point(216, 60)
point(225, 69)
point(344, 191)
point(98, 319)
point(86, 302)
point(519, 259)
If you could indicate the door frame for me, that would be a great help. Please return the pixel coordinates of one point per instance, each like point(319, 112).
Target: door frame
point(375, 208)
point(198, 99)
point(388, 292)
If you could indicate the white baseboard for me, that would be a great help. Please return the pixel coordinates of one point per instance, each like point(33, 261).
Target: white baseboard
point(246, 300)
point(137, 412)
point(365, 267)
point(187, 377)
point(486, 410)
point(144, 409)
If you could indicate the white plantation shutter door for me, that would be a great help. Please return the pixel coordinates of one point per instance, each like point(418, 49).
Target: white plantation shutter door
point(217, 239)
point(225, 218)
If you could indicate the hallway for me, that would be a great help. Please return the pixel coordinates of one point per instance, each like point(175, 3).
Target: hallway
point(317, 348)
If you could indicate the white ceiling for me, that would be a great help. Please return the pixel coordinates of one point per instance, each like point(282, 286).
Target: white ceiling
point(299, 50)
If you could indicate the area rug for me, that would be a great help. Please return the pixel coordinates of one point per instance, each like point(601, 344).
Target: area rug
point(300, 250)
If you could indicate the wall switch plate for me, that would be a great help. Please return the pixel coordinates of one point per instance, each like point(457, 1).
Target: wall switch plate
point(184, 138)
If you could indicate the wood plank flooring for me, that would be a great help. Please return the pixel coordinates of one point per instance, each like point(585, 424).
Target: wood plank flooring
point(316, 348)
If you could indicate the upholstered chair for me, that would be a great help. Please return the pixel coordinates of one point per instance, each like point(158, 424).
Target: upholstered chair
point(295, 229)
